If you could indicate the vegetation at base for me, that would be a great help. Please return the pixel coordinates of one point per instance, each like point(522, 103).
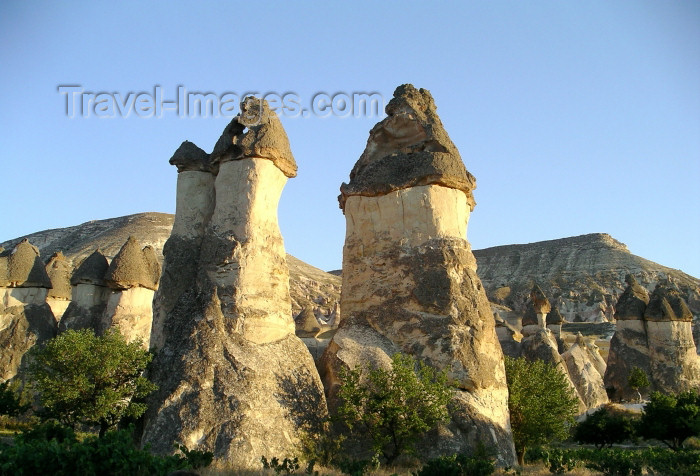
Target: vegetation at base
point(478, 464)
point(10, 401)
point(542, 405)
point(395, 407)
point(671, 419)
point(83, 378)
point(53, 449)
point(605, 428)
point(637, 380)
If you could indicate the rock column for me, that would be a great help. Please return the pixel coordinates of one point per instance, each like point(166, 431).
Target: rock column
point(233, 378)
point(409, 276)
point(89, 296)
point(58, 298)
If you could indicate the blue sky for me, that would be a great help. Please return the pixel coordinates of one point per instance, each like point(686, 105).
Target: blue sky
point(575, 117)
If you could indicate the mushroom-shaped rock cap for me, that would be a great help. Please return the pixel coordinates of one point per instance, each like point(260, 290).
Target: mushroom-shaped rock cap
point(22, 267)
point(539, 301)
point(92, 270)
point(256, 132)
point(59, 270)
point(666, 304)
point(190, 157)
point(530, 317)
point(632, 302)
point(131, 267)
point(408, 148)
point(554, 317)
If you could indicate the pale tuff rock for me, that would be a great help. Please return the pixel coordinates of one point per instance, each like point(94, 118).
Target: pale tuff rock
point(655, 334)
point(59, 270)
point(508, 336)
point(535, 317)
point(581, 360)
point(133, 277)
point(554, 322)
point(675, 365)
point(233, 378)
point(89, 296)
point(409, 277)
point(25, 318)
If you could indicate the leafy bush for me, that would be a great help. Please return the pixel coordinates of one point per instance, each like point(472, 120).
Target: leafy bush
point(603, 428)
point(51, 451)
point(288, 466)
point(638, 379)
point(613, 462)
point(394, 408)
point(671, 418)
point(542, 405)
point(93, 380)
point(10, 401)
point(458, 465)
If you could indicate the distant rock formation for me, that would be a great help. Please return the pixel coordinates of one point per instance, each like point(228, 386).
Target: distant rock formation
point(654, 333)
point(90, 295)
point(583, 276)
point(25, 318)
point(59, 270)
point(409, 277)
point(133, 278)
point(583, 364)
point(233, 378)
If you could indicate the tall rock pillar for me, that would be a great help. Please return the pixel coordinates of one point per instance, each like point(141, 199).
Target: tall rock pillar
point(409, 276)
point(233, 378)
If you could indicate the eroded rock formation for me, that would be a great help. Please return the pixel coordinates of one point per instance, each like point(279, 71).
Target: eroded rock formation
point(583, 366)
point(89, 295)
point(59, 270)
point(233, 378)
point(654, 334)
point(25, 318)
point(133, 278)
point(409, 277)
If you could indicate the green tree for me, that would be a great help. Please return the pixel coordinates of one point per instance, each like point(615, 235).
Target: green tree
point(671, 418)
point(393, 407)
point(10, 402)
point(542, 404)
point(82, 378)
point(603, 428)
point(638, 379)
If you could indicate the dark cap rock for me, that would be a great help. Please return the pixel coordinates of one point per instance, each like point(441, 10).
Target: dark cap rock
point(666, 304)
point(190, 157)
point(59, 270)
point(539, 301)
point(256, 132)
point(408, 148)
point(22, 267)
point(133, 266)
point(554, 317)
point(632, 302)
point(92, 270)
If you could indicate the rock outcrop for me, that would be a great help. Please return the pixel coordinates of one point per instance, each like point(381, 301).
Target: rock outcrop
point(654, 334)
point(233, 378)
point(583, 276)
point(59, 270)
point(409, 277)
point(133, 277)
point(583, 366)
point(89, 296)
point(25, 318)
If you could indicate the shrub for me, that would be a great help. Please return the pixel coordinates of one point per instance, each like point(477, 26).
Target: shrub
point(93, 380)
point(478, 464)
point(603, 428)
point(395, 407)
point(671, 418)
point(541, 403)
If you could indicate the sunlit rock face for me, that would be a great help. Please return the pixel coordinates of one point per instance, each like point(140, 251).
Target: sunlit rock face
point(133, 278)
point(233, 377)
point(89, 295)
point(59, 270)
point(653, 333)
point(583, 363)
point(25, 318)
point(409, 277)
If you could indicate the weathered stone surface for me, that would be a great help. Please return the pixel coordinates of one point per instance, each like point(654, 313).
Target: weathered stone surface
point(409, 148)
point(585, 374)
point(89, 297)
point(655, 334)
point(189, 157)
point(133, 266)
point(508, 336)
point(21, 267)
point(233, 378)
point(25, 318)
point(59, 270)
point(409, 277)
point(256, 133)
point(583, 276)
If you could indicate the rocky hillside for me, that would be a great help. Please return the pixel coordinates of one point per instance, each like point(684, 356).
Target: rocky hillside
point(582, 275)
point(310, 287)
